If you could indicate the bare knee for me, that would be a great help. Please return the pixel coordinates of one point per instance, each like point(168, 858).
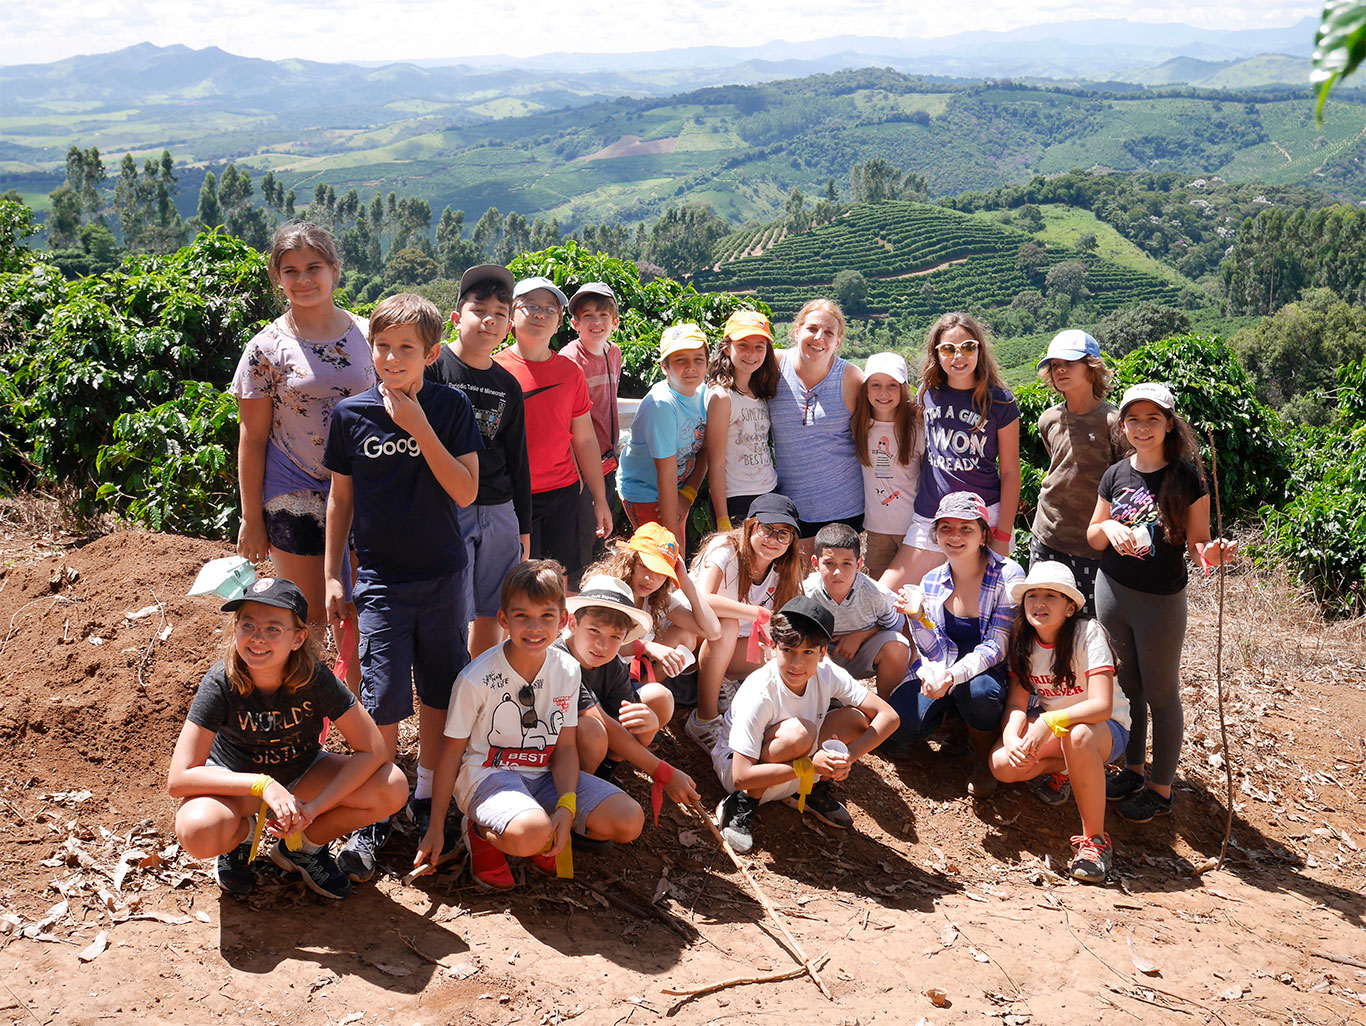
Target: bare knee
point(618, 817)
point(788, 739)
point(526, 835)
point(389, 788)
point(205, 828)
point(661, 702)
point(591, 739)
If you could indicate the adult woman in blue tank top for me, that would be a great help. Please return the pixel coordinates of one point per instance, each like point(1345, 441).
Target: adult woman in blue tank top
point(813, 444)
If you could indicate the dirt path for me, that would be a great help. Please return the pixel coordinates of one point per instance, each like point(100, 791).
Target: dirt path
point(928, 891)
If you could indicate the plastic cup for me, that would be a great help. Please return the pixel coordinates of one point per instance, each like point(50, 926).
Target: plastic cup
point(1143, 539)
point(836, 747)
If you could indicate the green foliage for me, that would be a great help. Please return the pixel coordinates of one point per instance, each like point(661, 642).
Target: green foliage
point(173, 467)
point(646, 307)
point(1132, 326)
point(851, 290)
point(1033, 399)
point(1320, 534)
point(1213, 393)
point(1339, 46)
point(1281, 253)
point(16, 225)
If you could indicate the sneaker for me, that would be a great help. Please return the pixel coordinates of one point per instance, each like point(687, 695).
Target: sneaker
point(488, 865)
point(981, 781)
point(589, 844)
point(359, 853)
point(1053, 788)
point(233, 871)
point(825, 806)
point(1121, 785)
point(1091, 863)
point(1147, 804)
point(544, 862)
point(726, 695)
point(607, 770)
point(705, 732)
point(735, 817)
point(318, 868)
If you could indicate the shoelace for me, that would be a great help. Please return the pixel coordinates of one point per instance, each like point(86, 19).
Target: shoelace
point(1088, 849)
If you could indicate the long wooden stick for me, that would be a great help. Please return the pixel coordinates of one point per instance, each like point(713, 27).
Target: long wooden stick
point(685, 996)
point(793, 947)
point(1219, 652)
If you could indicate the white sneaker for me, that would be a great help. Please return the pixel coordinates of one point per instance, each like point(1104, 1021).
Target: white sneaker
point(705, 732)
point(726, 695)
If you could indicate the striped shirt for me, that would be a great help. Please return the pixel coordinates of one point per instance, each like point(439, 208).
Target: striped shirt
point(996, 614)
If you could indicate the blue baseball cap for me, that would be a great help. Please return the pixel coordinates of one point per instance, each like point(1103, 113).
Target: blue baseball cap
point(1072, 344)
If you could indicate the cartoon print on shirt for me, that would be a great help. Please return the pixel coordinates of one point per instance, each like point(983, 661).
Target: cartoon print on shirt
point(1137, 509)
point(513, 743)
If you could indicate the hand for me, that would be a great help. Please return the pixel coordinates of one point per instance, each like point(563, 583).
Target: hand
point(429, 848)
point(338, 609)
point(1217, 551)
point(847, 645)
point(406, 411)
point(937, 685)
point(1120, 537)
point(560, 823)
point(670, 660)
point(638, 718)
point(602, 513)
point(681, 788)
point(288, 815)
point(910, 600)
point(1036, 735)
point(1016, 751)
point(252, 543)
point(828, 764)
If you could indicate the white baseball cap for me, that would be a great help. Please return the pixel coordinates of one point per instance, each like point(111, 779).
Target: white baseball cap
point(1153, 392)
point(891, 364)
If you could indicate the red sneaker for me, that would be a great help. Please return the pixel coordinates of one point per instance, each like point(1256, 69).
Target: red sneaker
point(545, 862)
point(488, 865)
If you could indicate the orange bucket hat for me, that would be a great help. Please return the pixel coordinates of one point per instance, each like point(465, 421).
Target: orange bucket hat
point(657, 547)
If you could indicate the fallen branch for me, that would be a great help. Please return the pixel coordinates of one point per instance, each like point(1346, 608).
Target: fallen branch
point(685, 930)
point(147, 654)
point(412, 946)
point(735, 981)
point(1340, 959)
point(793, 947)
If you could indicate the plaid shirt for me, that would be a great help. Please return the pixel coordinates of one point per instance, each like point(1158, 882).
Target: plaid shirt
point(996, 614)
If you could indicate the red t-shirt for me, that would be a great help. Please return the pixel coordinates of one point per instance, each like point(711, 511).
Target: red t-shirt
point(555, 393)
point(603, 374)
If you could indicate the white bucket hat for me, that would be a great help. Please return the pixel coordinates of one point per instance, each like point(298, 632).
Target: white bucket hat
point(1052, 575)
point(605, 591)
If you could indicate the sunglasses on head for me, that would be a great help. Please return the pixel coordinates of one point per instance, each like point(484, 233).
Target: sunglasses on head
point(967, 347)
point(527, 698)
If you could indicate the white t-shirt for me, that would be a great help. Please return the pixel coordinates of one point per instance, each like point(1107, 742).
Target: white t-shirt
point(749, 460)
point(1091, 654)
point(888, 487)
point(763, 700)
point(720, 555)
point(486, 709)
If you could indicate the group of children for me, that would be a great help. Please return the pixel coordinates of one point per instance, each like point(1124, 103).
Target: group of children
point(441, 532)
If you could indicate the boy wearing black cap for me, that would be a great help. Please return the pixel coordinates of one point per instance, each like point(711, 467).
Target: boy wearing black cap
point(497, 526)
point(782, 741)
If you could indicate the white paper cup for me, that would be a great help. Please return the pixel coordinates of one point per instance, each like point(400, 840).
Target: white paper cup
point(1143, 539)
point(688, 657)
point(835, 747)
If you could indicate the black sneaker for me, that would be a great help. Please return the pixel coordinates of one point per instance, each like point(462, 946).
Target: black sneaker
point(606, 771)
point(233, 871)
point(1121, 785)
point(590, 844)
point(1146, 805)
point(735, 817)
point(359, 854)
point(318, 868)
point(1093, 858)
point(825, 806)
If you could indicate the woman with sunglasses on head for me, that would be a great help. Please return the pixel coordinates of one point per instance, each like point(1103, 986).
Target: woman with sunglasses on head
point(972, 443)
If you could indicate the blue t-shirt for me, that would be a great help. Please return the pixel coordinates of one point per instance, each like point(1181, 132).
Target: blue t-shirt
point(666, 425)
point(958, 456)
point(405, 525)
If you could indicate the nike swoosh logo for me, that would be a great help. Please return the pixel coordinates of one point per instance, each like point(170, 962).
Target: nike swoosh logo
point(538, 391)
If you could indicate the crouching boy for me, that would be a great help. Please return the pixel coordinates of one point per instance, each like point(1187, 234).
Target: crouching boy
point(509, 756)
point(772, 746)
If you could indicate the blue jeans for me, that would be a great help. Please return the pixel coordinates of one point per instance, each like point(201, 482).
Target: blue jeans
point(980, 702)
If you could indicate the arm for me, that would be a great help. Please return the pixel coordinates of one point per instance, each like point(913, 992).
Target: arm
point(564, 770)
point(851, 386)
point(622, 743)
point(585, 445)
point(718, 424)
point(1205, 552)
point(846, 645)
point(254, 420)
point(708, 584)
point(701, 619)
point(341, 503)
point(1017, 725)
point(443, 786)
point(671, 505)
point(370, 754)
point(882, 721)
point(749, 775)
point(1104, 532)
point(1008, 454)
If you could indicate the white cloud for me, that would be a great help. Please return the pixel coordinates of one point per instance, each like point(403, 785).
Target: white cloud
point(423, 29)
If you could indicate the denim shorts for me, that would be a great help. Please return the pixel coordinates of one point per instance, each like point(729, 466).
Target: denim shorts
point(494, 547)
point(504, 795)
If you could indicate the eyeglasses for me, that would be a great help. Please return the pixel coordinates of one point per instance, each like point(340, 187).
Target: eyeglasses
point(967, 347)
point(271, 632)
point(779, 534)
point(527, 698)
point(536, 310)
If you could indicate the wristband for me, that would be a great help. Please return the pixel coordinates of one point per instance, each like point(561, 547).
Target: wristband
point(569, 800)
point(662, 775)
point(806, 779)
point(688, 492)
point(1000, 535)
point(724, 524)
point(1058, 722)
point(259, 785)
point(637, 648)
point(758, 633)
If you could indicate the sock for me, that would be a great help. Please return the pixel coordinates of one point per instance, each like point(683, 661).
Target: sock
point(423, 789)
point(306, 845)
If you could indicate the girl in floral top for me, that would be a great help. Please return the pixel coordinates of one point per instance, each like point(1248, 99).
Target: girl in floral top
point(291, 376)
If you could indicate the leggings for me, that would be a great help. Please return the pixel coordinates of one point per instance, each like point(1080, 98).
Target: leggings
point(1146, 634)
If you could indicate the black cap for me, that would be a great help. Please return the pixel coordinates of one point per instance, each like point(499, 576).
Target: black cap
point(481, 273)
point(773, 509)
point(272, 591)
point(810, 617)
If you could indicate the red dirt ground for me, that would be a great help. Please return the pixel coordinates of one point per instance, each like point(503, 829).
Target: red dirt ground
point(928, 891)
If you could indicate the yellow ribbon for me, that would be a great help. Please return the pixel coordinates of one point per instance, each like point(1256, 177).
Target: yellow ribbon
point(564, 861)
point(1058, 722)
point(806, 780)
point(256, 837)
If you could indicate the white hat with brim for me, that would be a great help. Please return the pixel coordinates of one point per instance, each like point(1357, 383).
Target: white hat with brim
point(891, 364)
point(606, 592)
point(1151, 391)
point(1052, 575)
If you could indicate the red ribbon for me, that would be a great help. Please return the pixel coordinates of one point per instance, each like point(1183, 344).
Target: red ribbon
point(757, 634)
point(662, 775)
point(348, 638)
point(642, 670)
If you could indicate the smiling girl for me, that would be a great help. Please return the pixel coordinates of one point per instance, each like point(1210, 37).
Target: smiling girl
point(1152, 510)
point(742, 378)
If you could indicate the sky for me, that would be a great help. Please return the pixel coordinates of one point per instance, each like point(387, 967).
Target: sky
point(429, 29)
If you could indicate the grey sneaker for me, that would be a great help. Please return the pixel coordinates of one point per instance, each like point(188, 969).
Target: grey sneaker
point(705, 732)
point(823, 804)
point(233, 871)
point(1094, 855)
point(318, 868)
point(735, 817)
point(1053, 788)
point(360, 852)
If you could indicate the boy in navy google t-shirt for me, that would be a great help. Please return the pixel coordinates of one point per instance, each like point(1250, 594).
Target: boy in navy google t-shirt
point(403, 457)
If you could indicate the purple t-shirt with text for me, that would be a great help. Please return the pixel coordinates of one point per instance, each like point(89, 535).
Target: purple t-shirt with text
point(959, 455)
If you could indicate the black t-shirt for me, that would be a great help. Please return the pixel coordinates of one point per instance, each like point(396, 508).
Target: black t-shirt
point(607, 685)
point(1159, 569)
point(504, 469)
point(268, 733)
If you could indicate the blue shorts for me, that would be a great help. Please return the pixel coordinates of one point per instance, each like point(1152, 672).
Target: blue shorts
point(494, 547)
point(504, 795)
point(416, 632)
point(1119, 734)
